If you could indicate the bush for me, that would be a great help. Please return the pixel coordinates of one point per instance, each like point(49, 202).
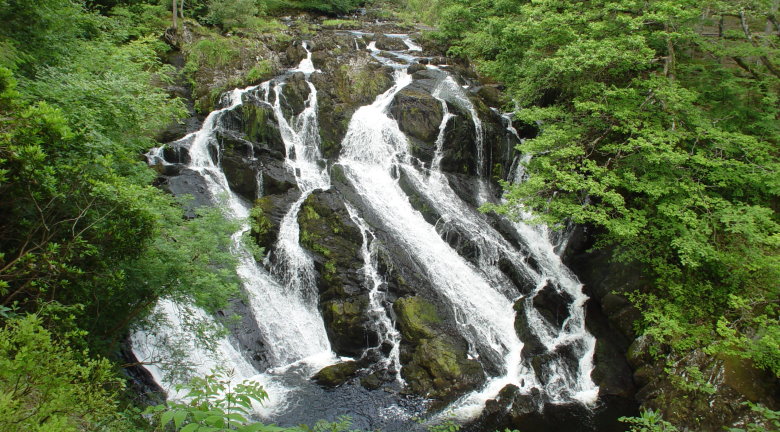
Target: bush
point(230, 14)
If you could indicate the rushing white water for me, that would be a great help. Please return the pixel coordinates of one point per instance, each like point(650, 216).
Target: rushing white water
point(370, 150)
point(290, 325)
point(378, 310)
point(479, 295)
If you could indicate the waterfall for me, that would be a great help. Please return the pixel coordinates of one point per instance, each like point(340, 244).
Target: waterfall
point(290, 324)
point(371, 149)
point(480, 296)
point(475, 291)
point(378, 304)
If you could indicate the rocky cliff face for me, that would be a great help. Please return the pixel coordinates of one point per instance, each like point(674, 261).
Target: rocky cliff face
point(728, 383)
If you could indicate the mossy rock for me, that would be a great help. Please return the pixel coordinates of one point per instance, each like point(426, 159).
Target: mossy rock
point(347, 325)
point(261, 128)
point(416, 318)
point(337, 374)
point(440, 369)
point(436, 364)
point(334, 241)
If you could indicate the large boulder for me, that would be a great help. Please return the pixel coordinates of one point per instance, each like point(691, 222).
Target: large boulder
point(295, 92)
point(435, 362)
point(553, 304)
point(347, 82)
point(328, 232)
point(260, 127)
point(419, 115)
point(337, 374)
point(267, 214)
point(388, 43)
point(459, 150)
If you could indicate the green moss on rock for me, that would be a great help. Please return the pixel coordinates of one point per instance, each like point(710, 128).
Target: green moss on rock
point(337, 374)
point(416, 318)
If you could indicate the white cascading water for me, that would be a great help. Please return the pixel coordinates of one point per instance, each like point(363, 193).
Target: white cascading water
point(481, 298)
point(374, 152)
point(370, 151)
point(377, 298)
point(292, 329)
point(303, 158)
point(564, 382)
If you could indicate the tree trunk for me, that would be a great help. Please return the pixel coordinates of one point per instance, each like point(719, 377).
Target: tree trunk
point(181, 10)
point(175, 15)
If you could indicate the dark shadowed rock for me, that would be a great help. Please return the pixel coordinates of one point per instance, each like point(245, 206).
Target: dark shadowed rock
point(419, 115)
point(276, 175)
point(389, 43)
point(294, 94)
point(553, 304)
point(267, 215)
point(335, 241)
point(337, 374)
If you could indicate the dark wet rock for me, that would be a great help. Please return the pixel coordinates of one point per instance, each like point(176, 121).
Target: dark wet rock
point(276, 177)
point(337, 374)
point(267, 215)
point(532, 344)
point(553, 304)
point(294, 54)
point(460, 240)
point(246, 332)
point(294, 94)
point(546, 365)
point(606, 280)
point(178, 151)
point(335, 241)
point(389, 43)
point(347, 325)
point(518, 275)
point(418, 200)
point(260, 127)
point(173, 131)
point(512, 406)
point(416, 68)
point(242, 175)
point(491, 95)
point(525, 410)
point(371, 382)
point(611, 371)
point(435, 363)
point(191, 183)
point(419, 115)
point(347, 82)
point(459, 150)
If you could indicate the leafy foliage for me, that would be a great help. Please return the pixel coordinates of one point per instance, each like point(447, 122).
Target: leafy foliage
point(82, 226)
point(649, 421)
point(229, 14)
point(46, 386)
point(659, 127)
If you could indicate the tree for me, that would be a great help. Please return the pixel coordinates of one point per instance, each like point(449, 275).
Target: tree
point(45, 386)
point(659, 127)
